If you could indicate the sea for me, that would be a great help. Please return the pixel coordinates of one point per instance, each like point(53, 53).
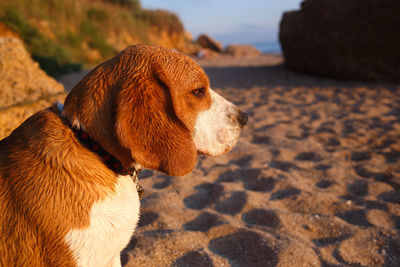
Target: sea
point(268, 47)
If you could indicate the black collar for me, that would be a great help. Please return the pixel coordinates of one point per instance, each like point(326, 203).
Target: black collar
point(109, 160)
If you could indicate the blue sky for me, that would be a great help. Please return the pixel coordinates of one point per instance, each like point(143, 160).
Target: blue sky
point(229, 21)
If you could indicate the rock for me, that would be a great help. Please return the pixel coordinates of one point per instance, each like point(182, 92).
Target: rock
point(24, 87)
point(344, 39)
point(11, 118)
point(21, 79)
point(205, 53)
point(242, 51)
point(206, 41)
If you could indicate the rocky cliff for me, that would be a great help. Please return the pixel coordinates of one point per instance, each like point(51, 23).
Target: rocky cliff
point(345, 39)
point(24, 87)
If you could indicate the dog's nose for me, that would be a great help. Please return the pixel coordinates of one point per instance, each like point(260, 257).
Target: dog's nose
point(242, 118)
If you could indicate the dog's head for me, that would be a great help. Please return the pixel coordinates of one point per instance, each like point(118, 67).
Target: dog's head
point(155, 107)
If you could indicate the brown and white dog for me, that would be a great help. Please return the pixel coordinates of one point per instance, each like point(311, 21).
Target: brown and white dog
point(60, 204)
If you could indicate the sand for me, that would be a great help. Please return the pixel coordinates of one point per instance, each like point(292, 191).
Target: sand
point(313, 181)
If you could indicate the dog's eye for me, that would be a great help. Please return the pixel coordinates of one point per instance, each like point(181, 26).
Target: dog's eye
point(198, 92)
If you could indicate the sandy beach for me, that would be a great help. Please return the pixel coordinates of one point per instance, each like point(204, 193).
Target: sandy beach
point(313, 181)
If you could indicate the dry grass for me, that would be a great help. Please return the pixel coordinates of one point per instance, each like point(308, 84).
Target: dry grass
point(61, 34)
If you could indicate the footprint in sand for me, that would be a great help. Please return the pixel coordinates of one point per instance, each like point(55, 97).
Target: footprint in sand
point(147, 218)
point(244, 248)
point(324, 184)
point(203, 222)
point(308, 156)
point(358, 188)
point(284, 193)
point(261, 217)
point(251, 178)
point(233, 204)
point(193, 258)
point(356, 217)
point(206, 195)
point(165, 181)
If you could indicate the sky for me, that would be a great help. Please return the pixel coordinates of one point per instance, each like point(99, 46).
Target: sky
point(229, 21)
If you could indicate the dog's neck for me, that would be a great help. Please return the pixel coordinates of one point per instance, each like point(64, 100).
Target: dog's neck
point(75, 123)
point(108, 159)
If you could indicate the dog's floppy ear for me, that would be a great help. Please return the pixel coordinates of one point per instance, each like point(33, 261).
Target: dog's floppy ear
point(148, 126)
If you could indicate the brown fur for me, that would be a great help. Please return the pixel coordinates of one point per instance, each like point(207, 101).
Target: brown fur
point(145, 94)
point(48, 183)
point(138, 106)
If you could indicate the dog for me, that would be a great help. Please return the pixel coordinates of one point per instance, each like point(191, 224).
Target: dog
point(66, 196)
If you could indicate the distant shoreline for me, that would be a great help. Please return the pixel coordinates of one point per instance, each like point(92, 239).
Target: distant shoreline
point(272, 53)
point(271, 47)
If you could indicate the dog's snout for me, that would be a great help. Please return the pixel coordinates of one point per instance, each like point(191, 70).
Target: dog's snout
point(242, 118)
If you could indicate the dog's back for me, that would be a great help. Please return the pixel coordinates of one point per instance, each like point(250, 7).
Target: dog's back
point(49, 184)
point(26, 236)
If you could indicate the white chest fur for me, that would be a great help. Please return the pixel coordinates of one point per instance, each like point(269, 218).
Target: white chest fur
point(112, 223)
